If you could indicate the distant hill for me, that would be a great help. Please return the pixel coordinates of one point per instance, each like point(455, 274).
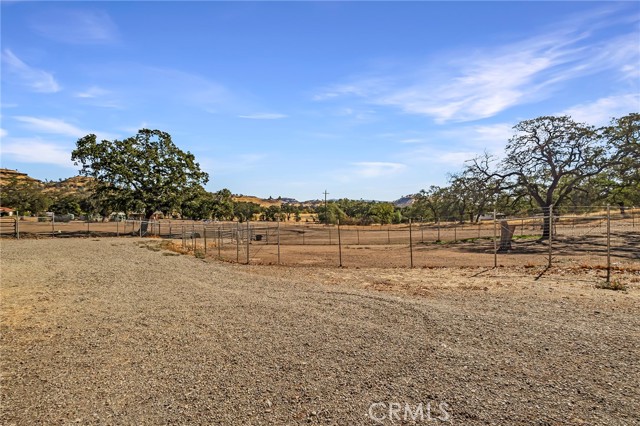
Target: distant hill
point(7, 174)
point(405, 201)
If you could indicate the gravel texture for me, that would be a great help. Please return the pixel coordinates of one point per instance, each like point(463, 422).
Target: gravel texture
point(118, 331)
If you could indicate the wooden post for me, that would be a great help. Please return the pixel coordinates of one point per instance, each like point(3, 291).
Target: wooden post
point(455, 233)
point(184, 243)
point(388, 236)
point(339, 244)
point(204, 232)
point(219, 241)
point(438, 240)
point(422, 232)
point(141, 227)
point(53, 223)
point(329, 236)
point(118, 227)
point(358, 233)
point(411, 243)
point(278, 236)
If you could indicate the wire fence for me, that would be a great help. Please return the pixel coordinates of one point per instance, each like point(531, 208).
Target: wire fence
point(588, 237)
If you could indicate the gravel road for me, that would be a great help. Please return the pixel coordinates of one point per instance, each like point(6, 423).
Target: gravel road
point(118, 331)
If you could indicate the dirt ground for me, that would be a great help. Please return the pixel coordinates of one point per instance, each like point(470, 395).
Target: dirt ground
point(121, 331)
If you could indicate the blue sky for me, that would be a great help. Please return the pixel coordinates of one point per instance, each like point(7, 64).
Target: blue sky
point(369, 100)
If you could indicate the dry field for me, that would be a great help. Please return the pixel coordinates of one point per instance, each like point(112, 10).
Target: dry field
point(120, 331)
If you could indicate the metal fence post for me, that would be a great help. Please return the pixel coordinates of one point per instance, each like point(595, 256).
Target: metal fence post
point(550, 234)
point(339, 244)
point(219, 241)
point(495, 242)
point(608, 244)
point(237, 242)
point(118, 227)
point(53, 223)
point(141, 227)
point(204, 234)
point(411, 242)
point(248, 240)
point(278, 236)
point(17, 228)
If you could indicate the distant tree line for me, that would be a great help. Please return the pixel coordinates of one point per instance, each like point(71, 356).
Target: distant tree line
point(549, 161)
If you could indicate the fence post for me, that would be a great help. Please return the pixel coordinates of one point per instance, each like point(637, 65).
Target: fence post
point(219, 241)
point(358, 234)
point(53, 223)
point(184, 243)
point(118, 227)
point(278, 236)
point(550, 234)
point(455, 233)
point(17, 228)
point(237, 242)
point(248, 240)
point(330, 236)
point(141, 227)
point(339, 244)
point(88, 230)
point(388, 236)
point(204, 234)
point(422, 232)
point(495, 243)
point(411, 243)
point(608, 244)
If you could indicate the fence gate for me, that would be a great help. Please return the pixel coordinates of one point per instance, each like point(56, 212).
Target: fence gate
point(9, 227)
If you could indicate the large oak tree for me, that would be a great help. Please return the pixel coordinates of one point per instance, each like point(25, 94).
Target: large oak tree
point(146, 172)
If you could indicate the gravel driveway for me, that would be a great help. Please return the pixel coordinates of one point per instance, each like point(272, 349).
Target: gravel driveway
point(117, 331)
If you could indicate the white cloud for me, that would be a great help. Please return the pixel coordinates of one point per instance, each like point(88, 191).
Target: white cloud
point(601, 111)
point(263, 116)
point(3, 133)
point(372, 169)
point(59, 127)
point(36, 150)
point(91, 92)
point(476, 84)
point(37, 80)
point(76, 26)
point(51, 125)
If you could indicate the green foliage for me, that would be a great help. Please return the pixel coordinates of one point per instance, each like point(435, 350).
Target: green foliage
point(244, 210)
point(146, 172)
point(25, 197)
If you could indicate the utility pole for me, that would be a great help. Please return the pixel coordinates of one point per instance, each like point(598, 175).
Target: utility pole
point(326, 212)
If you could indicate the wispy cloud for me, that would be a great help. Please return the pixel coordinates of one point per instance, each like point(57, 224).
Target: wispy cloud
point(99, 97)
point(75, 26)
point(91, 92)
point(58, 127)
point(3, 133)
point(372, 169)
point(51, 125)
point(36, 150)
point(471, 85)
point(601, 111)
point(36, 79)
point(264, 116)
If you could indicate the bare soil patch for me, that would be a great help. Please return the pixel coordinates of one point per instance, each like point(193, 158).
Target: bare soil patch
point(120, 331)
